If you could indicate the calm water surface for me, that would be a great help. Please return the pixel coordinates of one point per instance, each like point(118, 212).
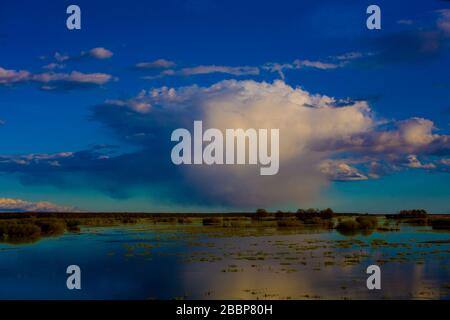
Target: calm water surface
point(195, 262)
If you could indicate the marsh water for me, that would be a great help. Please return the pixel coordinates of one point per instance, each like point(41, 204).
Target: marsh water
point(161, 261)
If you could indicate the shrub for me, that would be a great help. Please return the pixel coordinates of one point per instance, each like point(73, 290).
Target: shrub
point(184, 220)
point(367, 222)
point(261, 214)
point(73, 225)
point(326, 214)
point(51, 227)
point(347, 225)
point(211, 221)
point(362, 224)
point(129, 220)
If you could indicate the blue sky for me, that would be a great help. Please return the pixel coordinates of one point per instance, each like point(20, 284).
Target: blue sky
point(59, 92)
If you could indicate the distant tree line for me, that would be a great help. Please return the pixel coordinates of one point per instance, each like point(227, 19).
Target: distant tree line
point(301, 214)
point(414, 213)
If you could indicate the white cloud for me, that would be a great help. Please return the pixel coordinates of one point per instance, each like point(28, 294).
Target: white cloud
point(100, 53)
point(13, 76)
point(411, 136)
point(338, 170)
point(304, 119)
point(413, 162)
point(11, 204)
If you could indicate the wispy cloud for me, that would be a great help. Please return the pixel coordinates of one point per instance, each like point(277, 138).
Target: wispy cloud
point(54, 66)
point(333, 63)
point(207, 69)
point(156, 64)
point(315, 64)
point(53, 80)
point(236, 71)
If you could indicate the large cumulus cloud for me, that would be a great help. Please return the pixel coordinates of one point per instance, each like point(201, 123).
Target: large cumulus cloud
point(304, 119)
point(321, 139)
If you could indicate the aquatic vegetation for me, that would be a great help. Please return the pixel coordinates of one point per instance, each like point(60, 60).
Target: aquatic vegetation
point(347, 226)
point(367, 222)
point(19, 232)
point(362, 224)
point(51, 227)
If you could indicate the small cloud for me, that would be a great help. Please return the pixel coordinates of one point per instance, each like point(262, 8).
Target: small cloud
point(61, 57)
point(338, 170)
point(13, 76)
point(315, 64)
point(413, 162)
point(97, 53)
point(350, 56)
point(54, 66)
point(162, 74)
point(100, 53)
point(157, 64)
